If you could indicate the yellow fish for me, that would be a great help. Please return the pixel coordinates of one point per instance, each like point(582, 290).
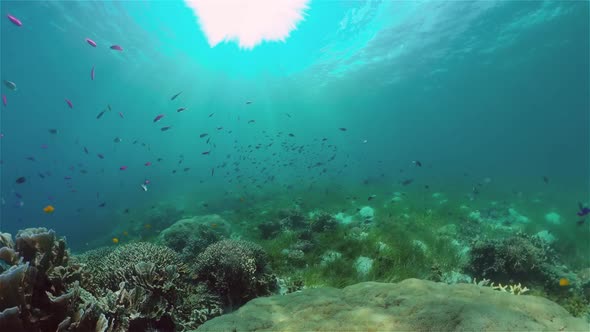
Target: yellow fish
point(48, 209)
point(115, 240)
point(564, 282)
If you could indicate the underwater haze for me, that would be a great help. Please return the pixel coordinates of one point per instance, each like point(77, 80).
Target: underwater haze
point(346, 101)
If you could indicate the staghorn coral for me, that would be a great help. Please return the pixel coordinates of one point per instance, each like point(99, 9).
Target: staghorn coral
point(237, 271)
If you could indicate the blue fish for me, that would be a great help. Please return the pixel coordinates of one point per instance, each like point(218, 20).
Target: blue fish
point(584, 210)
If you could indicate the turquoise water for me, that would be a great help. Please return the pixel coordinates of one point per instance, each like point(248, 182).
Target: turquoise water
point(479, 92)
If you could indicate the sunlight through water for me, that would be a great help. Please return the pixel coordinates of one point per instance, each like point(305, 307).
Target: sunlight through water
point(249, 23)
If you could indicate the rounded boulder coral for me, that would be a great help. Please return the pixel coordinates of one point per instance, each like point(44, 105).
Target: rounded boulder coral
point(237, 271)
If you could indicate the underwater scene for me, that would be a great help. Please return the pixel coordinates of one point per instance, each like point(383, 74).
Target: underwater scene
point(295, 165)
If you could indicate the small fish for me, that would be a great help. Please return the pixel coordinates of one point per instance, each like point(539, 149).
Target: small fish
point(144, 187)
point(10, 85)
point(92, 73)
point(100, 114)
point(53, 131)
point(115, 240)
point(212, 171)
point(103, 204)
point(21, 180)
point(288, 115)
point(203, 135)
point(291, 135)
point(48, 209)
point(251, 121)
point(584, 210)
point(123, 168)
point(67, 177)
point(219, 128)
point(546, 179)
point(100, 156)
point(248, 102)
point(31, 158)
point(14, 20)
point(149, 163)
point(208, 139)
point(210, 115)
point(4, 100)
point(371, 197)
point(175, 96)
point(563, 282)
point(69, 103)
point(158, 117)
point(342, 129)
point(121, 115)
point(417, 163)
point(181, 109)
point(116, 48)
point(186, 169)
point(580, 222)
point(205, 152)
point(407, 182)
point(117, 140)
point(85, 150)
point(165, 128)
point(91, 42)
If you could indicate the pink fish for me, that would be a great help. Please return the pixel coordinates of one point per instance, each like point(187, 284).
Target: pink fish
point(116, 48)
point(4, 100)
point(15, 20)
point(146, 182)
point(91, 42)
point(148, 163)
point(92, 73)
point(44, 146)
point(158, 118)
point(121, 115)
point(69, 103)
point(123, 168)
point(1, 135)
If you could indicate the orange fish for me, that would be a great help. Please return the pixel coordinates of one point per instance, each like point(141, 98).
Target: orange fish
point(115, 240)
point(564, 282)
point(48, 209)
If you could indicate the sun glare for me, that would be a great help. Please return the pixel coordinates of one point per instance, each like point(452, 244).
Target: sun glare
point(248, 22)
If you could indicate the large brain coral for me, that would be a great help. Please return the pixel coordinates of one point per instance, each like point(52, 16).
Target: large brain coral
point(235, 270)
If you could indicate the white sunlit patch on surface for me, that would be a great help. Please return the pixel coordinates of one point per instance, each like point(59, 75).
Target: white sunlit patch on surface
point(248, 22)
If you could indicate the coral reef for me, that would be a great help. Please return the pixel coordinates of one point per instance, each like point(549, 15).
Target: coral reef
point(410, 305)
point(237, 271)
point(189, 237)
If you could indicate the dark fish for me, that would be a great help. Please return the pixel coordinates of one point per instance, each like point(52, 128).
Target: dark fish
point(210, 115)
point(291, 135)
point(31, 158)
point(158, 117)
point(203, 135)
point(53, 131)
point(18, 195)
point(248, 102)
point(417, 163)
point(186, 169)
point(251, 121)
point(219, 128)
point(100, 156)
point(126, 211)
point(288, 115)
point(85, 150)
point(117, 140)
point(342, 129)
point(371, 197)
point(407, 182)
point(584, 210)
point(581, 222)
point(546, 180)
point(181, 109)
point(41, 175)
point(208, 139)
point(159, 159)
point(173, 171)
point(102, 204)
point(165, 128)
point(100, 114)
point(176, 95)
point(205, 152)
point(212, 171)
